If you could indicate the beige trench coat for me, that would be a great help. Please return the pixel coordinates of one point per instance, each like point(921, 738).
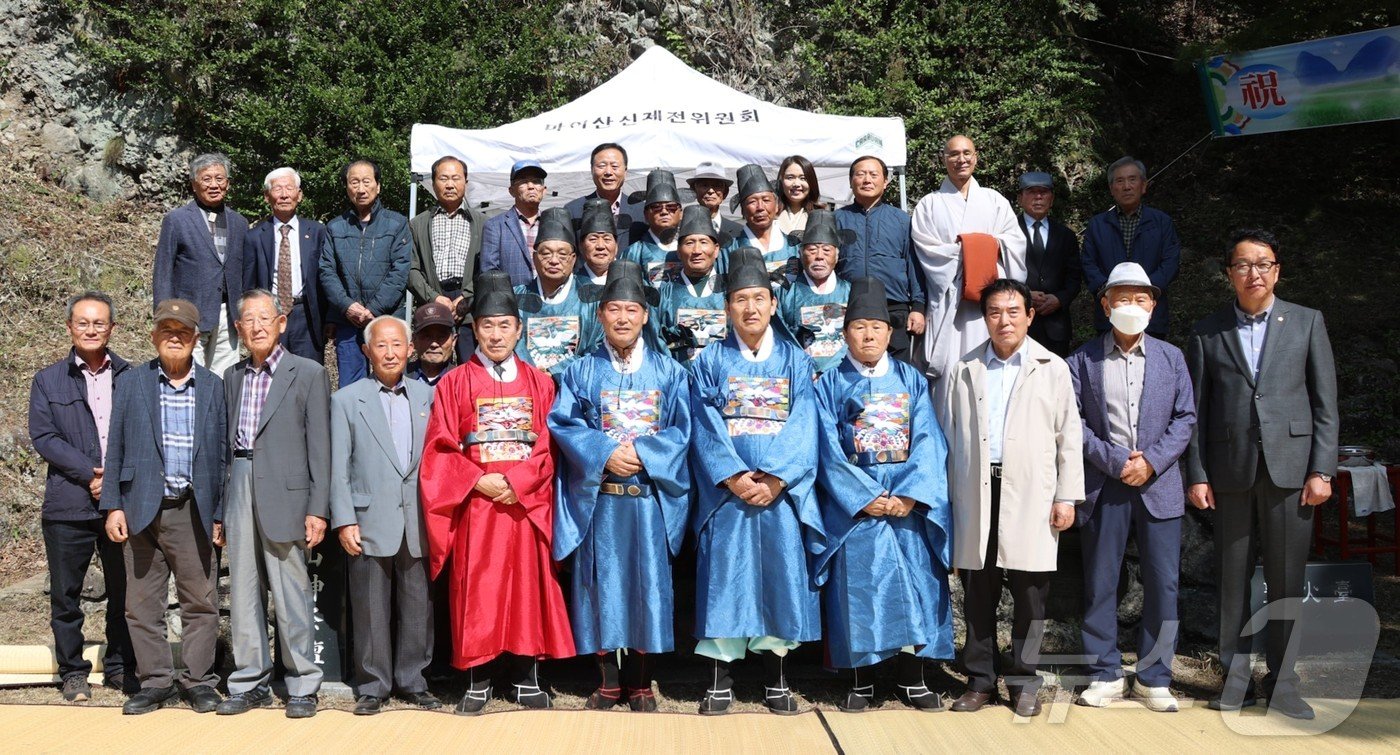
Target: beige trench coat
point(1042, 461)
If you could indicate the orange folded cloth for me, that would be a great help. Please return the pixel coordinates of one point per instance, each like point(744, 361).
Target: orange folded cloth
point(979, 263)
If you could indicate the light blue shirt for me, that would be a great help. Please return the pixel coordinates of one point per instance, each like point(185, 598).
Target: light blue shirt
point(1001, 380)
point(1253, 330)
point(398, 413)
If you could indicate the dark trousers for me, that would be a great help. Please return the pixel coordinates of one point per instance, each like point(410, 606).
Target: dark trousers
point(69, 547)
point(175, 542)
point(1057, 346)
point(1269, 521)
point(899, 329)
point(298, 337)
point(350, 361)
point(981, 594)
point(1104, 538)
point(466, 339)
point(393, 623)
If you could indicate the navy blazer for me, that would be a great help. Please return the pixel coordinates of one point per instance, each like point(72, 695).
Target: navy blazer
point(503, 248)
point(1155, 247)
point(260, 262)
point(1166, 419)
point(187, 267)
point(63, 432)
point(1056, 273)
point(133, 476)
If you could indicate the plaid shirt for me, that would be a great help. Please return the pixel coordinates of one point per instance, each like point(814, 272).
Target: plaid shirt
point(452, 239)
point(1129, 223)
point(177, 433)
point(256, 383)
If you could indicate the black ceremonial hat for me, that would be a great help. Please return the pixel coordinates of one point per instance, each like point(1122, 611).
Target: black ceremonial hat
point(867, 301)
point(821, 229)
point(494, 295)
point(661, 187)
point(696, 221)
point(597, 218)
point(746, 270)
point(555, 225)
point(627, 282)
point(752, 180)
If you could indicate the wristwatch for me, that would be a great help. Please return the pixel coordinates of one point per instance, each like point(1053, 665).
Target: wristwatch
point(1327, 478)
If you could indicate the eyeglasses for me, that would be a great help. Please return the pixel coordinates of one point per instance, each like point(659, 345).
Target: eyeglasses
point(356, 183)
point(263, 320)
point(1263, 268)
point(99, 326)
point(212, 180)
point(554, 255)
point(670, 208)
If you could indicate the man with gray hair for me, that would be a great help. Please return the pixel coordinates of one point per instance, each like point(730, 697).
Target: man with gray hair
point(275, 509)
point(281, 254)
point(199, 258)
point(1131, 232)
point(377, 427)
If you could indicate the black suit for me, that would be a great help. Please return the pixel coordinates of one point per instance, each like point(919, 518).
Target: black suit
point(1054, 270)
point(305, 335)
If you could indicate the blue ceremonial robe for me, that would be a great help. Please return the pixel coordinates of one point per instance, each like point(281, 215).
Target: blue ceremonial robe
point(623, 544)
point(657, 262)
point(782, 258)
point(559, 332)
point(689, 305)
point(824, 314)
point(752, 576)
point(886, 577)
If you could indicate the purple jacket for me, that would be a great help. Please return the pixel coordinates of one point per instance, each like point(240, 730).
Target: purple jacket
point(1166, 419)
point(62, 431)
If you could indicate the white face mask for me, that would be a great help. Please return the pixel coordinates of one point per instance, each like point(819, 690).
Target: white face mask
point(1130, 319)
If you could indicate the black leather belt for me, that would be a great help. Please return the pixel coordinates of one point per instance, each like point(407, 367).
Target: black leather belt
point(170, 502)
point(242, 453)
point(996, 470)
point(624, 488)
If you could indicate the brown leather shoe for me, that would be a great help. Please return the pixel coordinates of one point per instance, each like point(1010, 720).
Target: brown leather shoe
point(971, 702)
point(1027, 704)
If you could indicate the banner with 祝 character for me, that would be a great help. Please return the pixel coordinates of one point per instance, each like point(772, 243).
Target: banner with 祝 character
point(1324, 82)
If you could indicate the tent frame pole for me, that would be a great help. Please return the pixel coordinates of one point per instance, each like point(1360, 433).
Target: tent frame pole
point(903, 197)
point(413, 179)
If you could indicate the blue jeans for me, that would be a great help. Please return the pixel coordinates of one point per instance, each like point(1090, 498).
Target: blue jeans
point(349, 359)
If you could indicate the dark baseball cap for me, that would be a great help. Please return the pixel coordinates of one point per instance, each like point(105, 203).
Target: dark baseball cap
point(178, 310)
point(430, 314)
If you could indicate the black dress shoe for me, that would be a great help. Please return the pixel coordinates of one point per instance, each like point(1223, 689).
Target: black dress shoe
point(1233, 699)
point(424, 699)
point(148, 699)
point(242, 702)
point(301, 706)
point(368, 705)
point(971, 702)
point(203, 698)
point(1027, 704)
point(1291, 704)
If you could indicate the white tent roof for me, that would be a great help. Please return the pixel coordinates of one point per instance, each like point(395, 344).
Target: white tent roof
point(666, 115)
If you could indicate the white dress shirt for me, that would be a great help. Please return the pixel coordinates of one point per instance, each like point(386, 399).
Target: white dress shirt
point(295, 241)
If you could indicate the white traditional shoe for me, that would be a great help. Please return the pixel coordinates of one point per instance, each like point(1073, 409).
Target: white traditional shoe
point(1099, 694)
point(1159, 699)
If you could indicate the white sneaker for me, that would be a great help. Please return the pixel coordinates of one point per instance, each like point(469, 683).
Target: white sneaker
point(1159, 699)
point(1101, 693)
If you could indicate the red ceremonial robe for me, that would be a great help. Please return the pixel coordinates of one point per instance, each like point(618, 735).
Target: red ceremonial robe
point(504, 591)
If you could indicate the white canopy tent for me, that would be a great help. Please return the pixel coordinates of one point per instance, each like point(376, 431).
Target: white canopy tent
point(666, 115)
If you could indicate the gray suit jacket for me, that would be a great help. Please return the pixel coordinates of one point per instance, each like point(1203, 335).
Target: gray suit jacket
point(368, 487)
point(422, 276)
point(1289, 414)
point(133, 477)
point(187, 266)
point(291, 451)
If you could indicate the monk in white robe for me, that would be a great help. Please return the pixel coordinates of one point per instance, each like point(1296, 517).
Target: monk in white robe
point(961, 205)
